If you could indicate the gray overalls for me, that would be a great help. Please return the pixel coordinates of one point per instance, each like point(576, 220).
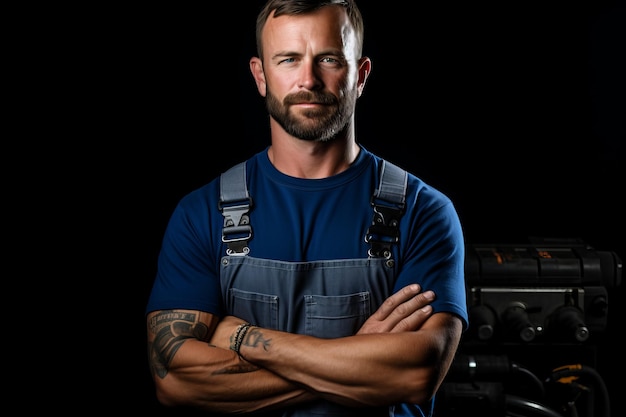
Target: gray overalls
point(326, 299)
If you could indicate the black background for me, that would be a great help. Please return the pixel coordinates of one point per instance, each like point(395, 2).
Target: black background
point(515, 110)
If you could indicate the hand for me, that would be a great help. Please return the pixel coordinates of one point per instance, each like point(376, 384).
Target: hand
point(406, 310)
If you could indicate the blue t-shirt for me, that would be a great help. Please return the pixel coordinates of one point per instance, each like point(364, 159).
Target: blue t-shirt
point(296, 220)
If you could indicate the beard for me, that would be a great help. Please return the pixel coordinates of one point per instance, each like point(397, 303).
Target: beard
point(319, 124)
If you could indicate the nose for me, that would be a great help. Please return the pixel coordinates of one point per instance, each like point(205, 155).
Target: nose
point(309, 78)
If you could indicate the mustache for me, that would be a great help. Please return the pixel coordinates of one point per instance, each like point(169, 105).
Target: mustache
point(310, 97)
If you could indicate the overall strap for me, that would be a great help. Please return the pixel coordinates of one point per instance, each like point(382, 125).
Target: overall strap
point(235, 203)
point(389, 201)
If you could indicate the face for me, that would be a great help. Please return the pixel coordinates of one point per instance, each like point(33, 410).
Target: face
point(310, 74)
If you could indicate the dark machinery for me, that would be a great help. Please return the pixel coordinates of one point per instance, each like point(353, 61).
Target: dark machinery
point(530, 350)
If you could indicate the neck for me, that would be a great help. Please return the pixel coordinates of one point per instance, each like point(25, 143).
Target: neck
point(310, 159)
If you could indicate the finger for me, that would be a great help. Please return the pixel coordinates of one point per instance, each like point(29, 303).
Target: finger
point(396, 299)
point(413, 321)
point(409, 307)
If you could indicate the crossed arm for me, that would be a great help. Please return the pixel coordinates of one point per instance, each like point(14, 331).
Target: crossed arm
point(400, 354)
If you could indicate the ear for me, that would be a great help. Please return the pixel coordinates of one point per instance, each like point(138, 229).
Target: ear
point(365, 68)
point(256, 67)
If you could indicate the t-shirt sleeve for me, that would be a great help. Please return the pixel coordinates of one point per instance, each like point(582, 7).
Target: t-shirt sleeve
point(434, 254)
point(187, 276)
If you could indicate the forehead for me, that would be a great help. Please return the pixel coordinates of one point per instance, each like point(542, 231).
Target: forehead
point(328, 27)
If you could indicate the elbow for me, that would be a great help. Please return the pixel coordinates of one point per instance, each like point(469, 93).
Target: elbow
point(165, 400)
point(172, 393)
point(416, 386)
point(166, 395)
point(422, 388)
point(422, 382)
point(433, 364)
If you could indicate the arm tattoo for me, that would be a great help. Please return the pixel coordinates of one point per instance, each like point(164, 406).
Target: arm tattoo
point(172, 329)
point(255, 338)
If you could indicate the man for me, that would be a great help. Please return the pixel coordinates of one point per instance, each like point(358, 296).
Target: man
point(320, 287)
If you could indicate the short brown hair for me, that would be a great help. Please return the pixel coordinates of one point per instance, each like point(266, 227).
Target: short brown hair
point(296, 7)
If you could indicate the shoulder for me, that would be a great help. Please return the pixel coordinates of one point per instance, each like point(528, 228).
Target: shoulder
point(417, 189)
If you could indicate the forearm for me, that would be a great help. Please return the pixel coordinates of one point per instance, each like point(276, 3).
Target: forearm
point(368, 369)
point(218, 380)
point(188, 369)
point(358, 370)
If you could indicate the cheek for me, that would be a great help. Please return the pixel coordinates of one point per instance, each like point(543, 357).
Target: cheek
point(352, 78)
point(348, 82)
point(277, 86)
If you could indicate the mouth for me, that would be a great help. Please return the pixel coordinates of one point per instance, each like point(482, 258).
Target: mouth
point(309, 100)
point(308, 103)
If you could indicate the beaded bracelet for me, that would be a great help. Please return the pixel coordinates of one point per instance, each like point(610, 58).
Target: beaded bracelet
point(237, 339)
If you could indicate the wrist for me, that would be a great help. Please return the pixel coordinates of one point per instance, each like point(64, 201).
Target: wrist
point(238, 337)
